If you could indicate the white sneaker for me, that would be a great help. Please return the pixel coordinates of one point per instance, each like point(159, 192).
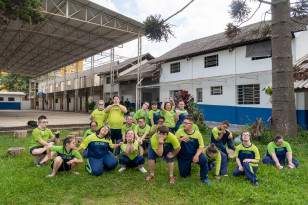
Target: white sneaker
point(122, 169)
point(143, 170)
point(226, 175)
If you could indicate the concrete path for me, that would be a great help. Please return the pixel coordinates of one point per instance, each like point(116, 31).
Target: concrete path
point(232, 127)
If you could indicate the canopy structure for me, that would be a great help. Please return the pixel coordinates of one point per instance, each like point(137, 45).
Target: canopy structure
point(74, 30)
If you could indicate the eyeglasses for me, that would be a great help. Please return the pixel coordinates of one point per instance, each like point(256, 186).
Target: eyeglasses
point(140, 121)
point(44, 122)
point(93, 125)
point(186, 123)
point(246, 134)
point(100, 104)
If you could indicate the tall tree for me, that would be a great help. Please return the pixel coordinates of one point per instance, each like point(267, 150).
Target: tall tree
point(22, 10)
point(14, 83)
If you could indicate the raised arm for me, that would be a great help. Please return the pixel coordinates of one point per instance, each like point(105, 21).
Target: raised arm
point(162, 107)
point(172, 101)
point(109, 108)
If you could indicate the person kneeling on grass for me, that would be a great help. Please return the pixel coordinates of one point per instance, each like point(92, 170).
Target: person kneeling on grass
point(247, 157)
point(91, 131)
point(68, 158)
point(163, 143)
point(191, 150)
point(277, 153)
point(142, 131)
point(99, 155)
point(130, 156)
point(216, 160)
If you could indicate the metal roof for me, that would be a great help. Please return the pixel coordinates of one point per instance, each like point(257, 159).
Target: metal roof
point(74, 30)
point(12, 93)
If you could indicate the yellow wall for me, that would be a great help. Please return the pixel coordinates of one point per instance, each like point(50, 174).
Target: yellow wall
point(70, 69)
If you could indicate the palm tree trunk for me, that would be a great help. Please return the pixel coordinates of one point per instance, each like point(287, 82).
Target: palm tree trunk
point(284, 119)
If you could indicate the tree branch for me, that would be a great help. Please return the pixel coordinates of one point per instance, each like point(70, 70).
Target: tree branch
point(251, 15)
point(179, 11)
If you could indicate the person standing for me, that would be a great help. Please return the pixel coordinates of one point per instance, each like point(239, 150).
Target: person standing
point(154, 113)
point(143, 112)
point(99, 114)
point(181, 114)
point(167, 110)
point(115, 118)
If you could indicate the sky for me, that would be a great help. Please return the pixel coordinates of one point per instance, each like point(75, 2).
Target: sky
point(200, 19)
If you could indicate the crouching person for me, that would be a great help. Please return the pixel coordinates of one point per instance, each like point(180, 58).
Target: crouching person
point(163, 143)
point(247, 157)
point(99, 155)
point(130, 156)
point(216, 160)
point(67, 157)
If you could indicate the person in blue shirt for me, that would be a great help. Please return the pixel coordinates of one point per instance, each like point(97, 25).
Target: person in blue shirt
point(91, 131)
point(181, 113)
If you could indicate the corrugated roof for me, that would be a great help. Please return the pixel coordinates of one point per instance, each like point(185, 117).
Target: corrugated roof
point(221, 42)
point(148, 71)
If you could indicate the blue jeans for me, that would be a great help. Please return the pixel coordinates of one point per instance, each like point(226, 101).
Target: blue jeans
point(96, 166)
point(221, 143)
point(115, 135)
point(152, 154)
point(249, 170)
point(124, 160)
point(269, 160)
point(223, 164)
point(185, 166)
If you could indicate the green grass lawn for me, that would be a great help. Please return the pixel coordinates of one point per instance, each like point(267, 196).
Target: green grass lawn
point(23, 183)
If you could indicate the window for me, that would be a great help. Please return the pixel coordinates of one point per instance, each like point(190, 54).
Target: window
point(199, 94)
point(68, 82)
point(72, 64)
point(259, 58)
point(56, 100)
point(249, 94)
point(65, 71)
point(216, 90)
point(175, 67)
point(1, 98)
point(72, 71)
point(108, 80)
point(172, 93)
point(11, 99)
point(211, 61)
point(69, 100)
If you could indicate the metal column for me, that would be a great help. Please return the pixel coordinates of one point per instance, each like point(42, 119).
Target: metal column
point(139, 76)
point(111, 72)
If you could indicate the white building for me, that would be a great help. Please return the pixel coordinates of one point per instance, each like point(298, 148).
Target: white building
point(227, 77)
point(13, 101)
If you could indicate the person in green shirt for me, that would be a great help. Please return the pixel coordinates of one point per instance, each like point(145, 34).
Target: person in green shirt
point(167, 110)
point(130, 156)
point(99, 114)
point(154, 113)
point(163, 143)
point(278, 152)
point(115, 118)
point(181, 114)
point(216, 160)
point(91, 131)
point(154, 128)
point(194, 127)
point(67, 157)
point(143, 112)
point(142, 131)
point(40, 137)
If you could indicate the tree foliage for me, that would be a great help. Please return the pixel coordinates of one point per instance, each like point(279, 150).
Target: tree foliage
point(14, 83)
point(22, 10)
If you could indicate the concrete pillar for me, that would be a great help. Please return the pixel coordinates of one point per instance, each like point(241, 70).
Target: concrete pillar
point(34, 94)
point(65, 101)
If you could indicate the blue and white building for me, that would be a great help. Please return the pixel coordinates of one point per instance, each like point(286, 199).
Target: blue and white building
point(11, 100)
point(227, 77)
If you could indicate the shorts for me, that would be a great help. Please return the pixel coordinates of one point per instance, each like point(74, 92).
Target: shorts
point(64, 166)
point(37, 147)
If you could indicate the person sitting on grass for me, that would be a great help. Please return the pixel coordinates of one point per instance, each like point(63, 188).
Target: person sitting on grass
point(154, 128)
point(191, 151)
point(154, 113)
point(216, 160)
point(194, 127)
point(99, 114)
point(99, 156)
point(181, 114)
point(163, 143)
point(130, 156)
point(67, 157)
point(167, 110)
point(221, 135)
point(39, 139)
point(277, 152)
point(91, 131)
point(247, 158)
point(142, 131)
point(143, 112)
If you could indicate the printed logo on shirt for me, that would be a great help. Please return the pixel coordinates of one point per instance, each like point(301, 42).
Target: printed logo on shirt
point(246, 152)
point(99, 143)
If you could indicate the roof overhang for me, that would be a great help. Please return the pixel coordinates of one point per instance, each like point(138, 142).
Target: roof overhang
point(74, 30)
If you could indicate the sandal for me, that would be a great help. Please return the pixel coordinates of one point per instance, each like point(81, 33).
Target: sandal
point(171, 179)
point(148, 178)
point(49, 176)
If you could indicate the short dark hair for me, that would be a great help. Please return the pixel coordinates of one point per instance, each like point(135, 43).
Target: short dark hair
point(163, 129)
point(116, 96)
point(154, 103)
point(190, 118)
point(181, 101)
point(243, 133)
point(142, 118)
point(42, 117)
point(276, 138)
point(161, 117)
point(226, 123)
point(93, 121)
point(211, 149)
point(99, 130)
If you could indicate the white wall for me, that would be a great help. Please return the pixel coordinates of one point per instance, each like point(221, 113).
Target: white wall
point(301, 42)
point(25, 105)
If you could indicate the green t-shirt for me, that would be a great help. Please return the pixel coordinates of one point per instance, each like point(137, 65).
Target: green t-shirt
point(152, 113)
point(153, 128)
point(243, 152)
point(169, 117)
point(217, 160)
point(67, 156)
point(141, 131)
point(115, 117)
point(125, 128)
point(272, 147)
point(194, 127)
point(87, 133)
point(133, 155)
point(171, 139)
point(142, 113)
point(100, 117)
point(38, 134)
point(216, 132)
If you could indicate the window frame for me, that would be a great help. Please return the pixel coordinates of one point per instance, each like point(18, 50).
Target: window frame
point(173, 67)
point(199, 98)
point(211, 63)
point(254, 96)
point(217, 87)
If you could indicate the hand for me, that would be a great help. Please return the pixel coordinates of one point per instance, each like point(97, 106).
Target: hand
point(71, 162)
point(291, 165)
point(177, 110)
point(184, 139)
point(230, 137)
point(161, 140)
point(130, 141)
point(223, 131)
point(217, 177)
point(278, 165)
point(169, 155)
point(121, 143)
point(92, 116)
point(246, 160)
point(170, 99)
point(241, 168)
point(196, 159)
point(139, 140)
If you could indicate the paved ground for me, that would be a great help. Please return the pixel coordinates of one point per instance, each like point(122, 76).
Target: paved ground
point(17, 119)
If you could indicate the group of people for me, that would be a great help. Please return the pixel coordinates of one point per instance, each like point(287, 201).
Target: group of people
point(164, 133)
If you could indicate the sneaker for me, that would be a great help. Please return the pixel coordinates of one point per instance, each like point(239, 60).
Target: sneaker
point(255, 183)
point(122, 169)
point(143, 170)
point(41, 164)
point(226, 175)
point(206, 181)
point(232, 147)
